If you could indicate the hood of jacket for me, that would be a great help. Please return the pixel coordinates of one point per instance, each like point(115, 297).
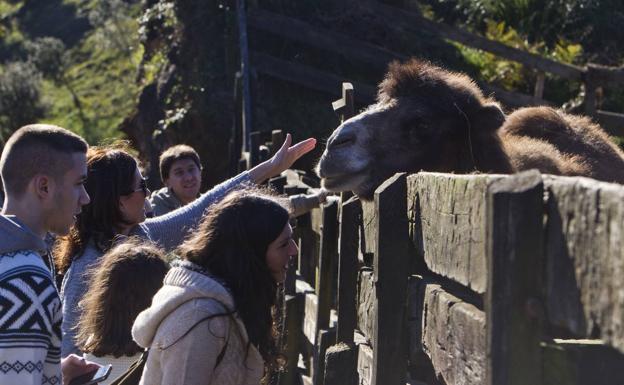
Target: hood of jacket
point(15, 236)
point(164, 199)
point(181, 287)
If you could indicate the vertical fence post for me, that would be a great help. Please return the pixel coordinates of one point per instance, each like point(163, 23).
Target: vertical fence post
point(254, 149)
point(345, 105)
point(277, 138)
point(538, 92)
point(325, 285)
point(390, 277)
point(514, 243)
point(348, 270)
point(246, 73)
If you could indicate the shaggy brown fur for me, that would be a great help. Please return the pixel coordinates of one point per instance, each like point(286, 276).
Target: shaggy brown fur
point(428, 118)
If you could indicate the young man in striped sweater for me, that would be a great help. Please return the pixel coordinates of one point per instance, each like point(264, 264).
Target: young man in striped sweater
point(43, 169)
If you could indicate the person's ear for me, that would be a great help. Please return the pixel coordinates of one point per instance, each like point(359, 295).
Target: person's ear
point(43, 186)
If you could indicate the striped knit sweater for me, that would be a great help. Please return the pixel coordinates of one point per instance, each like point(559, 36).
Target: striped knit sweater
point(30, 310)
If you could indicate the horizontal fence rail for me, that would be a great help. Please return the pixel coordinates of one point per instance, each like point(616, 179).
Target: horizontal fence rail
point(471, 279)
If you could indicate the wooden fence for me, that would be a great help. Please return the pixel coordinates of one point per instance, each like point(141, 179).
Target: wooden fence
point(461, 279)
point(451, 279)
point(400, 23)
point(456, 279)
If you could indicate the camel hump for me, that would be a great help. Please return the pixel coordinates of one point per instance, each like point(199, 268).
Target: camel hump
point(537, 122)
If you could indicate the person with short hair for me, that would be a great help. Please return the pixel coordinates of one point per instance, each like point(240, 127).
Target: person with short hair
point(117, 210)
point(120, 288)
point(180, 172)
point(215, 321)
point(43, 169)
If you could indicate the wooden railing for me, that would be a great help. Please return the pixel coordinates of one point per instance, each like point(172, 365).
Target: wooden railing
point(403, 22)
point(457, 279)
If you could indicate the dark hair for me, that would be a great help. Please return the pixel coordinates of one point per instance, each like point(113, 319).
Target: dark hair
point(37, 149)
point(120, 288)
point(173, 154)
point(110, 173)
point(231, 243)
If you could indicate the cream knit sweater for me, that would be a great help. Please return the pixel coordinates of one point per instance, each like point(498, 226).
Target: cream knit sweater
point(187, 297)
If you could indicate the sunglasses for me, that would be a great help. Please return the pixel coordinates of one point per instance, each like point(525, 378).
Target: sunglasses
point(142, 187)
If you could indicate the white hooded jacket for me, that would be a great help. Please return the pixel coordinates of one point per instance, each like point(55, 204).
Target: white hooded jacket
point(184, 346)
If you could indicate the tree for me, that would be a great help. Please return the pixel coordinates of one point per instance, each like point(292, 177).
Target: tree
point(20, 97)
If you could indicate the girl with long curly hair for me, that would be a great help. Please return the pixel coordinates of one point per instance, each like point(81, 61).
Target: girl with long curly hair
point(214, 320)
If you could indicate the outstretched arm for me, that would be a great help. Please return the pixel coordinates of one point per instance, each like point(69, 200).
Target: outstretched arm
point(169, 230)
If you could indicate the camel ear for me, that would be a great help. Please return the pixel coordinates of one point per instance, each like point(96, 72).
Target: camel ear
point(488, 118)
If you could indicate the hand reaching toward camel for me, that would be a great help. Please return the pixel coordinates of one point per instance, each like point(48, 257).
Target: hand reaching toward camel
point(282, 160)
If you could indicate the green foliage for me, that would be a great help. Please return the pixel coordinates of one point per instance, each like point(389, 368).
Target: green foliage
point(97, 91)
point(87, 85)
point(20, 97)
point(512, 75)
point(47, 54)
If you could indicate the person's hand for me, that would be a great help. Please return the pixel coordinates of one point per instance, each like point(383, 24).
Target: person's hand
point(73, 366)
point(282, 160)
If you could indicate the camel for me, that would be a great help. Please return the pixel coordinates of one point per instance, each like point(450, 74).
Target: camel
point(428, 118)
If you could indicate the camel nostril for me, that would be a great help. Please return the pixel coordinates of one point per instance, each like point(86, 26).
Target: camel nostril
point(342, 141)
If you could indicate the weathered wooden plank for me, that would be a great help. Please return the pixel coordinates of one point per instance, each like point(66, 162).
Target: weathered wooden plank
point(585, 258)
point(345, 106)
point(348, 270)
point(605, 76)
point(308, 247)
point(325, 339)
point(451, 332)
point(277, 138)
point(366, 303)
point(412, 22)
point(309, 77)
point(300, 31)
point(512, 99)
point(293, 323)
point(447, 224)
point(611, 122)
point(327, 262)
point(310, 308)
point(364, 364)
point(580, 362)
point(369, 227)
point(390, 273)
point(514, 248)
point(340, 364)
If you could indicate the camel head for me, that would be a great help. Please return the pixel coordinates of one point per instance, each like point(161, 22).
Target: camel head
point(425, 118)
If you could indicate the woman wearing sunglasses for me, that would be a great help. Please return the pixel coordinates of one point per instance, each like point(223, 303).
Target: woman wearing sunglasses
point(117, 209)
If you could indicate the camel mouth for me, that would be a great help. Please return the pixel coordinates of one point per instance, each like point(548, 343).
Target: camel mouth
point(344, 182)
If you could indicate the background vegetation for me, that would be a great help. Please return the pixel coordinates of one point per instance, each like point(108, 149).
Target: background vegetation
point(161, 71)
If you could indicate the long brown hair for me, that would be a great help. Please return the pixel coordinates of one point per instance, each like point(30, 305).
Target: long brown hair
point(231, 243)
point(121, 287)
point(110, 173)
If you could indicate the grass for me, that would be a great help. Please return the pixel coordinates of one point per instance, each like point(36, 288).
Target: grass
point(101, 76)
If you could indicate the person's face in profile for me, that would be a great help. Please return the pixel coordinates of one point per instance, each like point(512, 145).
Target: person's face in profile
point(279, 253)
point(68, 195)
point(132, 204)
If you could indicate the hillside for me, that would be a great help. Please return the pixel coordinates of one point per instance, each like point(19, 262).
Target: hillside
point(74, 62)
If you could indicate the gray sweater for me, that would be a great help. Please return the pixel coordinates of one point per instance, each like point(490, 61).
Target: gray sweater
point(167, 231)
point(164, 201)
